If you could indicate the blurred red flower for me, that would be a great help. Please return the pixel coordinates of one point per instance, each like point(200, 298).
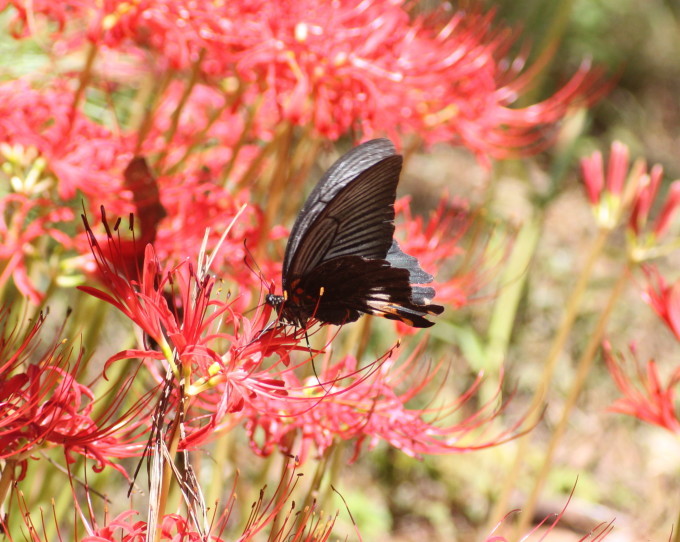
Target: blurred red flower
point(341, 65)
point(645, 395)
point(81, 155)
point(663, 298)
point(605, 189)
point(25, 224)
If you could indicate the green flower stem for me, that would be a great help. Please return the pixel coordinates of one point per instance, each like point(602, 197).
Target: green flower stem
point(222, 456)
point(150, 106)
point(83, 82)
point(279, 181)
point(174, 119)
point(336, 468)
point(172, 452)
point(582, 370)
point(535, 410)
point(303, 159)
point(315, 485)
point(505, 309)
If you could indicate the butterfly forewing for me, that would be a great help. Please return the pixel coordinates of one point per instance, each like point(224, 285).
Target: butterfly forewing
point(359, 222)
point(356, 163)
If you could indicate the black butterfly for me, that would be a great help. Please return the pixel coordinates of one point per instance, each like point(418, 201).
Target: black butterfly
point(341, 260)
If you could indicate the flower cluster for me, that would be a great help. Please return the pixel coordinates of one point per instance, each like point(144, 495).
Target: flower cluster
point(628, 193)
point(644, 394)
point(335, 66)
point(43, 405)
point(623, 191)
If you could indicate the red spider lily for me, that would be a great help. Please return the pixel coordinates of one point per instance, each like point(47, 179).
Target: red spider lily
point(340, 65)
point(611, 192)
point(25, 223)
point(184, 324)
point(222, 351)
point(141, 301)
point(42, 405)
point(644, 198)
point(663, 298)
point(348, 402)
point(645, 396)
point(645, 236)
point(79, 153)
point(606, 189)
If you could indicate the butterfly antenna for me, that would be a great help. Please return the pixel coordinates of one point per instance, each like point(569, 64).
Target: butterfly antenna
point(251, 264)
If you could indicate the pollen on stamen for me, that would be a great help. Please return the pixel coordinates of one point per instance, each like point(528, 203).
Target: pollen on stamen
point(321, 291)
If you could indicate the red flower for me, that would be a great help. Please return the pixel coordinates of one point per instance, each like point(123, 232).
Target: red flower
point(342, 65)
point(620, 188)
point(645, 195)
point(177, 309)
point(645, 236)
point(25, 224)
point(79, 153)
point(339, 65)
point(350, 403)
point(42, 404)
point(605, 189)
point(645, 396)
point(664, 299)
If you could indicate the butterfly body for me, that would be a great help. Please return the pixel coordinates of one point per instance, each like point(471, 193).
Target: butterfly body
point(341, 260)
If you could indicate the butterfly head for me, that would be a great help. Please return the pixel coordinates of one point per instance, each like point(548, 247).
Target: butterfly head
point(275, 301)
point(288, 311)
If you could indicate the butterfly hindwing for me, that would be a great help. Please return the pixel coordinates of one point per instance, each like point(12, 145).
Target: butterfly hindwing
point(342, 289)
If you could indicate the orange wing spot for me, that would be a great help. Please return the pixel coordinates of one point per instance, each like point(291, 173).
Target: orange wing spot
point(390, 312)
point(299, 291)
